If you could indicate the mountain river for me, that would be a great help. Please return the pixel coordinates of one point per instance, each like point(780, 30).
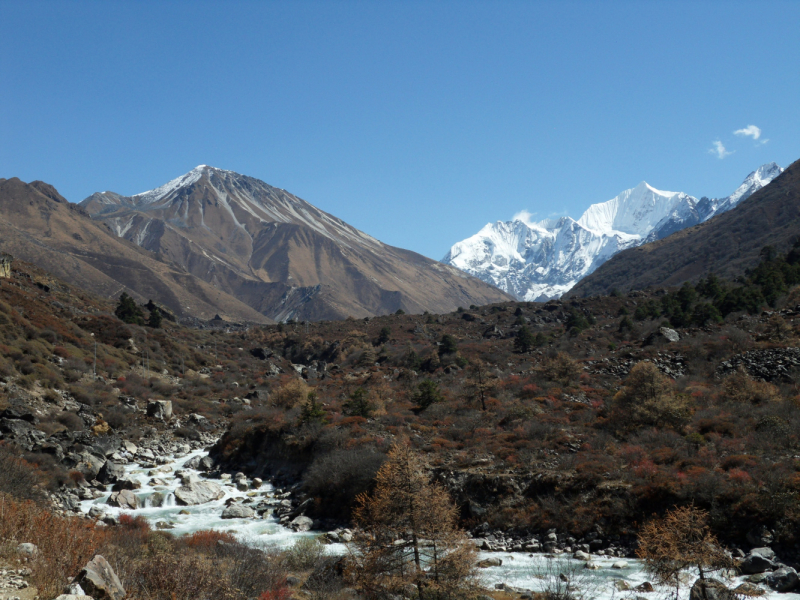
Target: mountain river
point(519, 570)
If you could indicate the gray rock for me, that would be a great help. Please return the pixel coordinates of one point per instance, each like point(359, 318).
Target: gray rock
point(710, 589)
point(580, 555)
point(620, 564)
point(755, 563)
point(302, 523)
point(100, 581)
point(490, 562)
point(592, 565)
point(74, 589)
point(237, 511)
point(27, 550)
point(160, 409)
point(125, 483)
point(124, 499)
point(97, 512)
point(74, 597)
point(783, 580)
point(198, 493)
point(767, 553)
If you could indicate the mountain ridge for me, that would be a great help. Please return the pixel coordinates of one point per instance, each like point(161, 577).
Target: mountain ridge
point(544, 260)
point(284, 256)
point(726, 245)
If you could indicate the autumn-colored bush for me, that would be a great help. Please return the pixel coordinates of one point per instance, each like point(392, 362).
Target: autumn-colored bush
point(65, 544)
point(207, 539)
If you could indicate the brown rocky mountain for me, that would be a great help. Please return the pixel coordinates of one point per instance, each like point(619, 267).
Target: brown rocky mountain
point(41, 227)
point(279, 254)
point(725, 245)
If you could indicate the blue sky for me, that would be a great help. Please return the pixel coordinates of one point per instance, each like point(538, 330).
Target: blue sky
point(418, 122)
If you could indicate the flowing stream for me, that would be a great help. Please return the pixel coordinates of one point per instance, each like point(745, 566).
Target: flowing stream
point(519, 570)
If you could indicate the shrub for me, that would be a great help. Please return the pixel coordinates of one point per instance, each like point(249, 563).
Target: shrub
point(305, 553)
point(560, 368)
point(648, 399)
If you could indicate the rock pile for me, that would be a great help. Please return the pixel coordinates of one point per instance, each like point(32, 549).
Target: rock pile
point(772, 364)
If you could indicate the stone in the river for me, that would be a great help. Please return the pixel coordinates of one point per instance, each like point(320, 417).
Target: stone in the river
point(157, 499)
point(198, 493)
point(124, 499)
point(749, 589)
point(237, 511)
point(755, 563)
point(125, 483)
point(592, 565)
point(580, 555)
point(110, 472)
point(710, 589)
point(620, 564)
point(302, 524)
point(783, 580)
point(490, 562)
point(100, 581)
point(164, 525)
point(645, 587)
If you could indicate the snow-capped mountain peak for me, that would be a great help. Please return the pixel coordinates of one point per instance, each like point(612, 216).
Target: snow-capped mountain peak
point(539, 261)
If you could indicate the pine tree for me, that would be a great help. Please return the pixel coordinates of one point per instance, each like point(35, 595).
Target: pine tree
point(359, 405)
point(427, 393)
point(155, 318)
point(312, 411)
point(408, 534)
point(524, 340)
point(128, 312)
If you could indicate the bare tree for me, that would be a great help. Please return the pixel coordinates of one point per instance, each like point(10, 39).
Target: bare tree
point(480, 384)
point(408, 535)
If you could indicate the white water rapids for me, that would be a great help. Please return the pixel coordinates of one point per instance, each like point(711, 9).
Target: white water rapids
point(533, 572)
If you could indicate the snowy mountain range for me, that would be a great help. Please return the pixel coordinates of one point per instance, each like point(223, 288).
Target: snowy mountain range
point(543, 260)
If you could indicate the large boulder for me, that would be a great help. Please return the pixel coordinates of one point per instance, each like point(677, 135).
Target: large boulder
point(756, 563)
point(99, 581)
point(110, 472)
point(125, 499)
point(767, 553)
point(783, 580)
point(160, 409)
point(89, 465)
point(302, 524)
point(710, 589)
point(200, 463)
point(198, 492)
point(237, 511)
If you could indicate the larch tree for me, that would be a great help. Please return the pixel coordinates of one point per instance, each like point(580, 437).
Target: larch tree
point(678, 541)
point(407, 533)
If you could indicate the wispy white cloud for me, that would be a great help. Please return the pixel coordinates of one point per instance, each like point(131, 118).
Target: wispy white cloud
point(749, 131)
point(524, 216)
point(719, 150)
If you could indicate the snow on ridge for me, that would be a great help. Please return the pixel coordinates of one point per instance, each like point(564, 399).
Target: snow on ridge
point(544, 260)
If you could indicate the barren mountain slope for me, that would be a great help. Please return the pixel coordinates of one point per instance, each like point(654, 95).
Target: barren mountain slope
point(280, 254)
point(41, 227)
point(726, 245)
